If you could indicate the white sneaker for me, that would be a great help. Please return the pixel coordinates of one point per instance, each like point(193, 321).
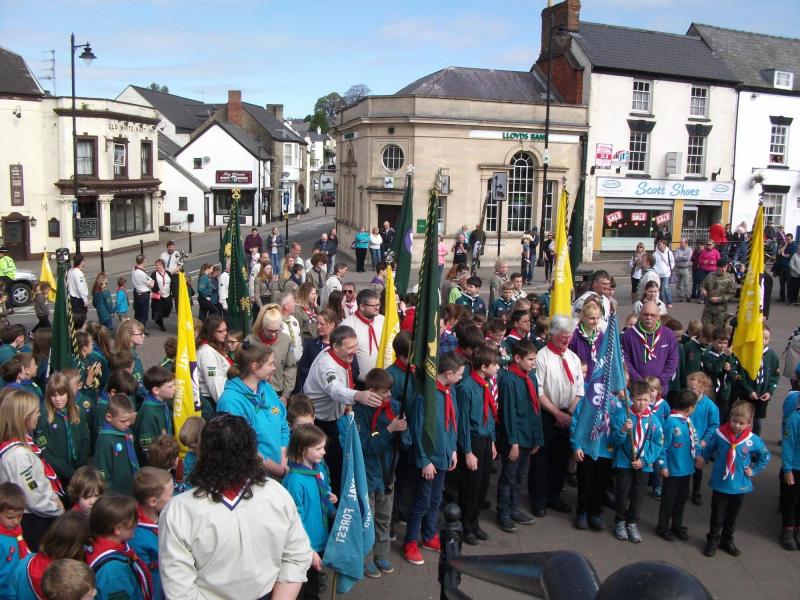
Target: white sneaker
point(633, 533)
point(620, 532)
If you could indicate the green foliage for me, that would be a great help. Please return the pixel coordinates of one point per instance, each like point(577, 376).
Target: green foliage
point(158, 88)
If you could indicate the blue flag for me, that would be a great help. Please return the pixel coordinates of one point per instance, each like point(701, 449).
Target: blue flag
point(353, 532)
point(607, 380)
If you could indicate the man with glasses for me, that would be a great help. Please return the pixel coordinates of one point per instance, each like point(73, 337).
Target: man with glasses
point(650, 348)
point(334, 282)
point(367, 322)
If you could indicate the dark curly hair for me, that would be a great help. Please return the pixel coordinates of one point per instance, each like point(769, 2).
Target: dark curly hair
point(228, 458)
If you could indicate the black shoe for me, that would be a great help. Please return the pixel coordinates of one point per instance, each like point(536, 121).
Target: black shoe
point(481, 534)
point(581, 521)
point(486, 505)
point(666, 535)
point(559, 505)
point(681, 533)
point(730, 547)
point(572, 479)
point(470, 538)
point(711, 546)
point(697, 499)
point(521, 518)
point(507, 525)
point(596, 523)
point(539, 512)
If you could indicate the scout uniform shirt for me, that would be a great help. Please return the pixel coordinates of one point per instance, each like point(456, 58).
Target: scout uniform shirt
point(477, 408)
point(520, 414)
point(25, 466)
point(145, 543)
point(713, 364)
point(119, 572)
point(310, 489)
point(767, 380)
point(681, 446)
point(115, 458)
point(26, 582)
point(648, 440)
point(732, 455)
point(152, 421)
point(13, 549)
point(377, 443)
point(705, 419)
point(446, 430)
point(64, 444)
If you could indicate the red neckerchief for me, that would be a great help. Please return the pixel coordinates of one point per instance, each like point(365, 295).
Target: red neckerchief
point(560, 353)
point(386, 407)
point(265, 341)
point(348, 306)
point(55, 482)
point(22, 547)
point(639, 433)
point(368, 323)
point(37, 565)
point(449, 409)
point(403, 365)
point(516, 334)
point(488, 402)
point(460, 350)
point(532, 394)
point(231, 496)
point(102, 547)
point(726, 433)
point(345, 365)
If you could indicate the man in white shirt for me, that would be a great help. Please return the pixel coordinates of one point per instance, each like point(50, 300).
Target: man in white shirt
point(170, 258)
point(78, 291)
point(142, 284)
point(558, 371)
point(349, 305)
point(294, 250)
point(223, 280)
point(334, 282)
point(367, 322)
point(601, 290)
point(160, 295)
point(664, 265)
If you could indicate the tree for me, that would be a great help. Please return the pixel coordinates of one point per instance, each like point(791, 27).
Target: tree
point(329, 105)
point(158, 88)
point(355, 93)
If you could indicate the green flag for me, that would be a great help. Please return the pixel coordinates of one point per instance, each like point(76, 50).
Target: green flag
point(425, 349)
point(401, 246)
point(64, 345)
point(232, 252)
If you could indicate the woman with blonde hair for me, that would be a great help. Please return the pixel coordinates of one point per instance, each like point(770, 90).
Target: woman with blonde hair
point(267, 330)
point(130, 335)
point(286, 270)
point(22, 463)
point(262, 287)
point(306, 312)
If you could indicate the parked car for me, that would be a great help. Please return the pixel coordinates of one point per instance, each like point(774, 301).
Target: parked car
point(22, 288)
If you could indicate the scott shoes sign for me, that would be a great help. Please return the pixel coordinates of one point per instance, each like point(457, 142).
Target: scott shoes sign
point(622, 187)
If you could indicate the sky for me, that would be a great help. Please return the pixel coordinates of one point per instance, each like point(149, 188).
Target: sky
point(293, 52)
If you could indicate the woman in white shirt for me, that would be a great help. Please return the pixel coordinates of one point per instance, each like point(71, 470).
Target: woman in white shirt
point(212, 363)
point(375, 241)
point(650, 294)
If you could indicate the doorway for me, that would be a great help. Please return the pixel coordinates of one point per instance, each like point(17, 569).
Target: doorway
point(387, 212)
point(16, 236)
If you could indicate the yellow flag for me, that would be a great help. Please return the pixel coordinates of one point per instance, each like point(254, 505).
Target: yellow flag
point(187, 394)
point(47, 275)
point(748, 339)
point(391, 323)
point(561, 296)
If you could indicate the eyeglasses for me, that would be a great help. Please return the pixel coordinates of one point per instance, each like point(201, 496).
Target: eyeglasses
point(349, 291)
point(139, 333)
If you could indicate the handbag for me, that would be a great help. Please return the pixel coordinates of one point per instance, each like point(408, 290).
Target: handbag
point(353, 245)
point(673, 278)
point(155, 296)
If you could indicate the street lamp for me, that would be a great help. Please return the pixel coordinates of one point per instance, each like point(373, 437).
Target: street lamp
point(561, 35)
point(259, 199)
point(87, 56)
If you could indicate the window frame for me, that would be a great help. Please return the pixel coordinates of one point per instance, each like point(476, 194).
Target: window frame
point(704, 98)
point(520, 199)
point(773, 201)
point(146, 212)
point(288, 151)
point(779, 74)
point(694, 167)
point(92, 141)
point(548, 207)
point(120, 172)
point(775, 133)
point(197, 162)
point(400, 157)
point(441, 215)
point(646, 158)
point(146, 159)
point(183, 203)
point(642, 95)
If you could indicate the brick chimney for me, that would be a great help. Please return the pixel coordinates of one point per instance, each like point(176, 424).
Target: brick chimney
point(566, 13)
point(276, 110)
point(235, 107)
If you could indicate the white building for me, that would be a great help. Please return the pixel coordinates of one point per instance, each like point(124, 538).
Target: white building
point(768, 114)
point(661, 129)
point(185, 196)
point(222, 156)
point(118, 194)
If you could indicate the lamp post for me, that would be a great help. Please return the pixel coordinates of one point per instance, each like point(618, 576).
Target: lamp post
point(259, 193)
point(88, 56)
point(561, 34)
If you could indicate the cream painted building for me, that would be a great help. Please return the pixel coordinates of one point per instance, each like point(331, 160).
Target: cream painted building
point(472, 123)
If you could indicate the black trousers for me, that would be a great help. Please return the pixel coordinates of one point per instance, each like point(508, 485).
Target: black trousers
point(78, 311)
point(474, 485)
point(674, 493)
point(793, 288)
point(549, 465)
point(790, 501)
point(333, 454)
point(405, 479)
point(33, 529)
point(630, 487)
point(593, 477)
point(361, 254)
point(44, 323)
point(697, 481)
point(141, 305)
point(310, 589)
point(783, 276)
point(724, 510)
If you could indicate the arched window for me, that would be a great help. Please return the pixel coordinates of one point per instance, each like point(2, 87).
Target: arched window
point(520, 193)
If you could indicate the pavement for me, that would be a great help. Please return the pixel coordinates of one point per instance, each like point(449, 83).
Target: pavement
point(764, 570)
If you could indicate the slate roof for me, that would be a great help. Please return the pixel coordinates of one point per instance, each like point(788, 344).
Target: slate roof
point(751, 55)
point(479, 84)
point(15, 76)
point(166, 147)
point(267, 120)
point(650, 52)
point(186, 114)
point(302, 129)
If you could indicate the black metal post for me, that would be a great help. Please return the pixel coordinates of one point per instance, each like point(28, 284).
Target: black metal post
point(141, 247)
point(286, 237)
point(190, 241)
point(220, 237)
point(258, 201)
point(102, 260)
point(74, 151)
point(499, 224)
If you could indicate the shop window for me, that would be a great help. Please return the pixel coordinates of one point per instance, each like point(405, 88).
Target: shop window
point(520, 193)
point(131, 215)
point(634, 223)
point(222, 202)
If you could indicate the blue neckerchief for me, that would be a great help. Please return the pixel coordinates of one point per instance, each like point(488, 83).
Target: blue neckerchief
point(130, 450)
point(73, 455)
point(322, 486)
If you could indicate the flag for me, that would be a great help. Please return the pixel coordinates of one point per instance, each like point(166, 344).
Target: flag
point(391, 323)
point(748, 339)
point(64, 345)
point(353, 533)
point(404, 233)
point(187, 394)
point(592, 419)
point(232, 252)
point(561, 296)
point(47, 276)
point(425, 347)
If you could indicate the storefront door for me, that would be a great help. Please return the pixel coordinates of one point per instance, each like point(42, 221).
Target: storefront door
point(689, 227)
point(15, 236)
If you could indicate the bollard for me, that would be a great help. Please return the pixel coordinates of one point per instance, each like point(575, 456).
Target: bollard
point(141, 247)
point(190, 241)
point(102, 260)
point(220, 237)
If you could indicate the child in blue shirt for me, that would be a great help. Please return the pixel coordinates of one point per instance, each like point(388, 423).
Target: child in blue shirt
point(706, 422)
point(660, 408)
point(308, 484)
point(432, 466)
point(471, 297)
point(738, 455)
point(682, 452)
point(189, 436)
point(152, 489)
point(121, 300)
point(634, 457)
point(790, 474)
point(376, 428)
point(13, 548)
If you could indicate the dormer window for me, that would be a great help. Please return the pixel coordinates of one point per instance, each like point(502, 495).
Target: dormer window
point(784, 80)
